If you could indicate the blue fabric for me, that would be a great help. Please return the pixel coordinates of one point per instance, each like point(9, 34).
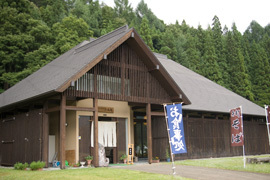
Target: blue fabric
point(176, 128)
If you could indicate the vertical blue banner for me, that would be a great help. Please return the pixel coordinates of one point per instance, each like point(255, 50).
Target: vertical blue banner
point(176, 128)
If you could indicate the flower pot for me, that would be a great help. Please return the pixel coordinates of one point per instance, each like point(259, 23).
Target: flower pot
point(125, 161)
point(168, 160)
point(155, 161)
point(89, 162)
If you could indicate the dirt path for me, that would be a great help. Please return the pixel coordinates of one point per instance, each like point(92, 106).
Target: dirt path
point(194, 172)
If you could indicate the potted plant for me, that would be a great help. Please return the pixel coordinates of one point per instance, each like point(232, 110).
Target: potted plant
point(21, 166)
point(168, 155)
point(89, 159)
point(39, 165)
point(155, 159)
point(76, 165)
point(124, 158)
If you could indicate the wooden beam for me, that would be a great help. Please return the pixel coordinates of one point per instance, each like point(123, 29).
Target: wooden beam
point(62, 131)
point(74, 108)
point(45, 134)
point(157, 113)
point(149, 133)
point(53, 109)
point(95, 115)
point(70, 108)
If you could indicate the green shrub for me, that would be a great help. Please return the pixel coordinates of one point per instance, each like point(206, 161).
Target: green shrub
point(21, 166)
point(124, 156)
point(89, 157)
point(37, 165)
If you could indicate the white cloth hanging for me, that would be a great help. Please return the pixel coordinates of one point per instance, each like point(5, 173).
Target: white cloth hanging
point(106, 134)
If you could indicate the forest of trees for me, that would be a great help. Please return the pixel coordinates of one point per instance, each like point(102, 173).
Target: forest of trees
point(32, 33)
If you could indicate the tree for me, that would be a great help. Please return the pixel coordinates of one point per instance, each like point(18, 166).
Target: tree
point(20, 34)
point(142, 10)
point(239, 81)
point(69, 33)
point(54, 12)
point(124, 10)
point(220, 50)
point(254, 32)
point(209, 65)
point(260, 72)
point(192, 53)
point(145, 33)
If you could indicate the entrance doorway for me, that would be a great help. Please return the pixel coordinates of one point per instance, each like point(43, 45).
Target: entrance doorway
point(113, 153)
point(140, 138)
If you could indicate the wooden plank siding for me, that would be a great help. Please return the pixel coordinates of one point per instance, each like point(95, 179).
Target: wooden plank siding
point(207, 138)
point(21, 138)
point(123, 76)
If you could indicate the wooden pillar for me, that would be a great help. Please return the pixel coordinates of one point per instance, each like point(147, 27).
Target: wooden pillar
point(45, 134)
point(62, 131)
point(149, 132)
point(95, 115)
point(115, 149)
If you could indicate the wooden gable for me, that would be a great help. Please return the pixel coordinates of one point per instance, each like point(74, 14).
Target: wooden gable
point(121, 76)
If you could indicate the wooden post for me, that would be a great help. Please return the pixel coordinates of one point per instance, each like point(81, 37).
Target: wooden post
point(62, 131)
point(45, 134)
point(95, 115)
point(149, 132)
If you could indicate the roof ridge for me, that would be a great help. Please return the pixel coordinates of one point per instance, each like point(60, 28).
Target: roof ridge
point(101, 39)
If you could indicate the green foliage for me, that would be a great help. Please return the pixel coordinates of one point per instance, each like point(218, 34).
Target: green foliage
point(145, 33)
point(88, 157)
point(209, 65)
point(69, 33)
point(37, 165)
point(21, 166)
point(124, 156)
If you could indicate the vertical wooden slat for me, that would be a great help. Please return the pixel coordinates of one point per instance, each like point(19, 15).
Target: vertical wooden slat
point(149, 132)
point(45, 134)
point(122, 60)
point(62, 130)
point(95, 116)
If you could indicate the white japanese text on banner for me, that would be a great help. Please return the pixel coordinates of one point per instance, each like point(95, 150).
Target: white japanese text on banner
point(176, 128)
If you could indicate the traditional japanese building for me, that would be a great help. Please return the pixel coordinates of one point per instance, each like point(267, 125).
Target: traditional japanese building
point(111, 90)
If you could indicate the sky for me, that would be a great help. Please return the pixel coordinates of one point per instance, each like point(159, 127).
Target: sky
point(201, 12)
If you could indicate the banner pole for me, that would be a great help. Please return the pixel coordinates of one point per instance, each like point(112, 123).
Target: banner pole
point(172, 157)
point(267, 123)
point(244, 157)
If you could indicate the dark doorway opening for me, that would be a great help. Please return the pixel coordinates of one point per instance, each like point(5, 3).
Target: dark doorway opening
point(140, 138)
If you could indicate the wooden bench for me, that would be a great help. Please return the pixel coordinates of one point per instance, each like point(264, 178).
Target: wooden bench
point(258, 160)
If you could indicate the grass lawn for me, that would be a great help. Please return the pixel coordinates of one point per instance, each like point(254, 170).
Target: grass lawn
point(231, 163)
point(86, 173)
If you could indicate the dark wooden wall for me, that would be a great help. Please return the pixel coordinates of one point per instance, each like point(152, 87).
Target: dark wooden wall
point(21, 138)
point(210, 138)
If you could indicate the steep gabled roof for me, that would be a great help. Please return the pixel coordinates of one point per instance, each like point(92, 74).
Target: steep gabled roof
point(206, 95)
point(57, 75)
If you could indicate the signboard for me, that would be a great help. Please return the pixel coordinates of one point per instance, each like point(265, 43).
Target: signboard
point(176, 128)
point(106, 109)
point(237, 136)
point(130, 151)
point(130, 154)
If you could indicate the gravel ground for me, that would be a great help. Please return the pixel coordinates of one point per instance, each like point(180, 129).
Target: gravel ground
point(195, 172)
